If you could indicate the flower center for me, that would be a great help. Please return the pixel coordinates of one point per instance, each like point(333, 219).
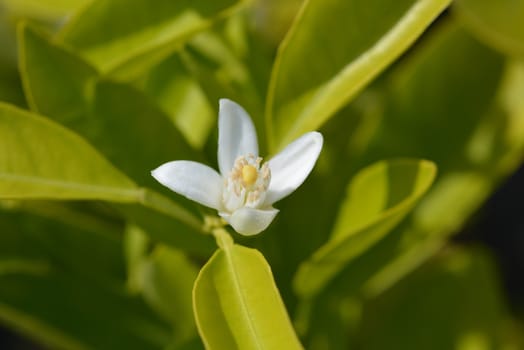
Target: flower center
point(246, 184)
point(249, 175)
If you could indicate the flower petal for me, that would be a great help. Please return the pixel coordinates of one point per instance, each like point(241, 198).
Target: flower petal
point(236, 135)
point(290, 167)
point(250, 221)
point(193, 180)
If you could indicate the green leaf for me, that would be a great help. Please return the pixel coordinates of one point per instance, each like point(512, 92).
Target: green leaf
point(167, 278)
point(352, 42)
point(125, 37)
point(221, 74)
point(10, 84)
point(181, 97)
point(499, 24)
point(56, 82)
point(377, 199)
point(445, 103)
point(47, 10)
point(41, 159)
point(63, 287)
point(33, 244)
point(449, 301)
point(452, 80)
point(118, 120)
point(77, 314)
point(133, 133)
point(237, 305)
point(136, 244)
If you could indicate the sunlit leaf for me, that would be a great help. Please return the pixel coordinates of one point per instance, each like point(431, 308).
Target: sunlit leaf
point(49, 10)
point(237, 305)
point(351, 43)
point(124, 37)
point(41, 159)
point(376, 200)
point(117, 119)
point(444, 104)
point(454, 81)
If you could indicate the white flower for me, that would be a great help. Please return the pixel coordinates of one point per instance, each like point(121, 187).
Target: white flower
point(246, 188)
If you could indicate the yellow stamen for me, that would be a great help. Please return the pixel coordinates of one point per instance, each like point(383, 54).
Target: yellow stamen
point(249, 174)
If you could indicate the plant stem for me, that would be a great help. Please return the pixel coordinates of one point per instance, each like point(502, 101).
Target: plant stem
point(223, 238)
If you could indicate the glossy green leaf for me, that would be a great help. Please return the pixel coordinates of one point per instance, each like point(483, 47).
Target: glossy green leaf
point(41, 159)
point(117, 119)
point(453, 80)
point(237, 305)
point(123, 36)
point(500, 23)
point(304, 92)
point(446, 103)
point(120, 122)
point(376, 200)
